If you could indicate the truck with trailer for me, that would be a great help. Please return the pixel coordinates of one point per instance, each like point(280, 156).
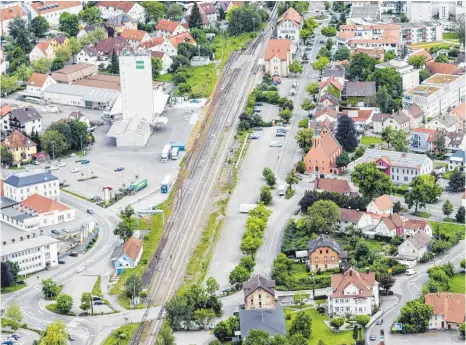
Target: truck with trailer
point(166, 153)
point(166, 184)
point(175, 153)
point(181, 145)
point(137, 186)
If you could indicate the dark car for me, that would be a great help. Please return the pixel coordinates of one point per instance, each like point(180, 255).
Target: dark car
point(74, 254)
point(61, 262)
point(96, 298)
point(280, 134)
point(90, 211)
point(85, 161)
point(379, 322)
point(21, 282)
point(55, 232)
point(119, 169)
point(8, 342)
point(259, 104)
point(99, 302)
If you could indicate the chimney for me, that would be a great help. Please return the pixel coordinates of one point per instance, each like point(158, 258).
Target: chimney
point(367, 270)
point(351, 272)
point(26, 108)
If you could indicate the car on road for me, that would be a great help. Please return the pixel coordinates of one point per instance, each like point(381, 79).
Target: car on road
point(54, 167)
point(80, 269)
point(257, 110)
point(8, 342)
point(71, 337)
point(259, 104)
point(119, 169)
point(74, 254)
point(379, 321)
point(275, 144)
point(372, 337)
point(99, 302)
point(85, 161)
point(16, 335)
point(255, 135)
point(280, 134)
point(90, 211)
point(61, 262)
point(410, 271)
point(66, 230)
point(96, 198)
point(55, 232)
point(62, 164)
point(96, 298)
point(75, 170)
point(322, 41)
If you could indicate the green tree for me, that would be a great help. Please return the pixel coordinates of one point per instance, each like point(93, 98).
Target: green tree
point(64, 303)
point(384, 101)
point(41, 65)
point(247, 262)
point(69, 24)
point(79, 134)
point(400, 141)
point(91, 15)
point(39, 26)
point(304, 138)
point(346, 134)
point(301, 167)
point(303, 123)
point(195, 19)
point(313, 88)
point(204, 316)
point(461, 330)
point(154, 10)
point(337, 322)
point(423, 75)
point(460, 215)
point(212, 286)
point(324, 52)
point(64, 129)
point(440, 142)
point(175, 11)
point(343, 159)
point(371, 181)
point(320, 64)
point(5, 155)
point(14, 312)
point(55, 334)
point(50, 289)
point(323, 216)
point(363, 319)
point(266, 195)
point(307, 105)
point(441, 58)
point(343, 53)
point(299, 298)
point(416, 315)
point(361, 67)
point(54, 143)
point(250, 245)
point(457, 179)
point(447, 208)
point(63, 53)
point(125, 228)
point(463, 263)
point(417, 61)
point(461, 30)
point(423, 190)
point(114, 67)
point(386, 282)
point(8, 84)
point(239, 275)
point(133, 285)
point(19, 32)
point(257, 337)
point(355, 333)
point(165, 336)
point(305, 34)
point(296, 67)
point(291, 179)
point(390, 55)
point(388, 134)
point(269, 177)
point(23, 73)
point(328, 31)
point(157, 67)
point(281, 269)
point(75, 47)
point(86, 302)
point(389, 79)
point(301, 324)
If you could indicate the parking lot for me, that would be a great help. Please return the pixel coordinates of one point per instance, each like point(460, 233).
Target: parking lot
point(27, 337)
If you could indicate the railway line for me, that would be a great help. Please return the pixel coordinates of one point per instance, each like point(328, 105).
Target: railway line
point(204, 166)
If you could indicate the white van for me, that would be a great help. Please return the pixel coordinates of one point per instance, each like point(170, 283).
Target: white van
point(175, 153)
point(281, 190)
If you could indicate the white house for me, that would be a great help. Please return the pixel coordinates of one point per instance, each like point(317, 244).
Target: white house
point(129, 256)
point(38, 82)
point(32, 255)
point(409, 75)
point(42, 50)
point(166, 60)
point(414, 226)
point(77, 115)
point(52, 11)
point(168, 45)
point(135, 37)
point(166, 28)
point(111, 9)
point(446, 123)
point(355, 218)
point(388, 226)
point(22, 185)
point(289, 25)
point(5, 119)
point(414, 247)
point(26, 119)
point(7, 15)
point(381, 205)
point(377, 122)
point(398, 121)
point(457, 161)
point(48, 211)
point(353, 293)
point(278, 57)
point(448, 310)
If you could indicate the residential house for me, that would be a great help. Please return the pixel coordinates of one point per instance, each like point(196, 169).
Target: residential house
point(331, 85)
point(328, 100)
point(7, 14)
point(398, 121)
point(416, 115)
point(382, 205)
point(377, 122)
point(459, 113)
point(129, 256)
point(259, 293)
point(423, 140)
point(166, 28)
point(278, 57)
point(334, 70)
point(20, 146)
point(372, 52)
point(73, 73)
point(361, 117)
point(77, 115)
point(88, 29)
point(356, 91)
point(402, 167)
point(354, 293)
point(420, 52)
point(355, 218)
point(169, 45)
point(205, 20)
point(457, 160)
point(414, 226)
point(288, 26)
point(228, 5)
point(432, 100)
point(375, 36)
point(101, 52)
point(334, 185)
point(166, 61)
point(26, 119)
point(59, 40)
point(52, 10)
point(111, 9)
point(390, 226)
point(22, 185)
point(210, 11)
point(444, 68)
point(325, 113)
point(446, 123)
point(42, 50)
point(324, 253)
point(5, 122)
point(409, 75)
point(37, 83)
point(49, 212)
point(135, 37)
point(323, 154)
point(121, 22)
point(421, 32)
point(455, 141)
point(453, 87)
point(413, 249)
point(271, 321)
point(448, 309)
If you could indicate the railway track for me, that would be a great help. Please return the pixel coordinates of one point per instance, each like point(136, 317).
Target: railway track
point(204, 165)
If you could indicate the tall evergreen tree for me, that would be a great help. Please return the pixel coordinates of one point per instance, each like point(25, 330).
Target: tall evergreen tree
point(114, 64)
point(195, 20)
point(346, 133)
point(36, 138)
point(7, 276)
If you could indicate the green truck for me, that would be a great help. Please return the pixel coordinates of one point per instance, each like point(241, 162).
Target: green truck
point(137, 186)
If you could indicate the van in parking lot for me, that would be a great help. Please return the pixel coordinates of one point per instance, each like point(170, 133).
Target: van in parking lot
point(281, 190)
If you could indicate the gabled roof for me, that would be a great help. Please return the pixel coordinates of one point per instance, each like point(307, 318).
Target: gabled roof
point(5, 109)
point(131, 248)
point(259, 282)
point(459, 155)
point(279, 48)
point(460, 110)
point(326, 110)
point(383, 202)
point(421, 52)
point(443, 68)
point(184, 37)
point(331, 81)
point(397, 159)
point(43, 7)
point(25, 114)
point(292, 15)
point(120, 20)
point(135, 35)
point(419, 240)
point(18, 140)
point(159, 55)
point(451, 305)
point(12, 12)
point(60, 38)
point(42, 46)
point(352, 216)
point(359, 88)
point(41, 204)
point(399, 117)
point(208, 8)
point(166, 25)
point(364, 282)
point(455, 138)
point(323, 241)
point(415, 110)
point(332, 185)
point(445, 120)
point(107, 46)
point(330, 97)
point(393, 221)
point(332, 69)
point(76, 115)
point(380, 117)
point(37, 79)
point(125, 6)
point(416, 225)
point(374, 52)
point(271, 321)
point(153, 42)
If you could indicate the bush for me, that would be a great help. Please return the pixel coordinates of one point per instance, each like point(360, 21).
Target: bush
point(300, 167)
point(426, 257)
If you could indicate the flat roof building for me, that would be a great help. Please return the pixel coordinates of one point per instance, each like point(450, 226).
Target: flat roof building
point(72, 73)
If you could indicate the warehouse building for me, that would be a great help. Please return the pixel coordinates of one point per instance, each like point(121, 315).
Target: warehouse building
point(73, 73)
point(132, 132)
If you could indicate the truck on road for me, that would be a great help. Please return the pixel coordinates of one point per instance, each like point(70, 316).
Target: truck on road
point(175, 153)
point(166, 184)
point(166, 153)
point(137, 186)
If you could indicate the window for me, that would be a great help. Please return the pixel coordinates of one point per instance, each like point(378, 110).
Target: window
point(326, 251)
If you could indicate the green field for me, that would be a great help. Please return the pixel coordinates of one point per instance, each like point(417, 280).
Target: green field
point(368, 140)
point(299, 271)
point(448, 228)
point(122, 336)
point(321, 331)
point(457, 283)
point(13, 288)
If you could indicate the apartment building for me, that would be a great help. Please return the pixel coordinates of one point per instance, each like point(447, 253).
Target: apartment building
point(431, 99)
point(409, 75)
point(453, 87)
point(52, 10)
point(111, 9)
point(419, 11)
point(289, 25)
point(421, 32)
point(7, 15)
point(22, 185)
point(376, 36)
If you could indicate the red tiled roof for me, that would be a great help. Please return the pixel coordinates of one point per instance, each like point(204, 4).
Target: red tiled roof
point(364, 282)
point(125, 6)
point(416, 224)
point(37, 79)
point(17, 140)
point(184, 37)
point(424, 53)
point(208, 8)
point(279, 48)
point(43, 45)
point(460, 110)
point(325, 110)
point(332, 185)
point(157, 54)
point(349, 215)
point(293, 15)
point(393, 221)
point(383, 202)
point(451, 305)
point(41, 204)
point(135, 35)
point(166, 25)
point(374, 52)
point(12, 12)
point(5, 109)
point(442, 68)
point(62, 5)
point(333, 81)
point(131, 248)
point(153, 42)
point(415, 110)
point(431, 133)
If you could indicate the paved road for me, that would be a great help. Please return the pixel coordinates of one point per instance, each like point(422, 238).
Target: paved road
point(410, 288)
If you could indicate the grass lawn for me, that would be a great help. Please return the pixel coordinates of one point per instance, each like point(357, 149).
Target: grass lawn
point(226, 45)
point(96, 291)
point(430, 45)
point(299, 271)
point(457, 283)
point(451, 36)
point(320, 331)
point(447, 174)
point(13, 288)
point(53, 308)
point(121, 336)
point(368, 140)
point(422, 214)
point(448, 228)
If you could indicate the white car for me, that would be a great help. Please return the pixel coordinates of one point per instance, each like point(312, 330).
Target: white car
point(62, 164)
point(75, 170)
point(275, 144)
point(80, 269)
point(73, 155)
point(410, 271)
point(54, 167)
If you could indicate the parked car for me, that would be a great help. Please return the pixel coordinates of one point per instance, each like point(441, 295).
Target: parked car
point(80, 269)
point(96, 198)
point(96, 298)
point(8, 342)
point(73, 155)
point(74, 254)
point(71, 337)
point(119, 169)
point(275, 144)
point(257, 110)
point(258, 129)
point(259, 104)
point(75, 170)
point(90, 211)
point(61, 262)
point(280, 134)
point(99, 302)
point(85, 161)
point(410, 271)
point(55, 232)
point(373, 337)
point(379, 321)
point(16, 335)
point(62, 164)
point(255, 135)
point(54, 167)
